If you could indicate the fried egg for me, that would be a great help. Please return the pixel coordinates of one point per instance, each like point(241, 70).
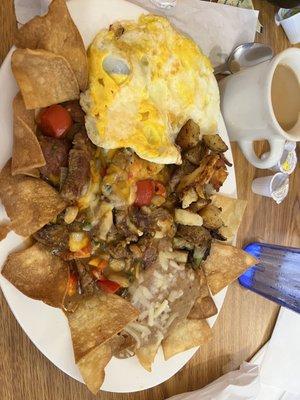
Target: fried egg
point(145, 81)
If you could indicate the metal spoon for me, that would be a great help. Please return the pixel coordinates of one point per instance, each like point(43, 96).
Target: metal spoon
point(244, 56)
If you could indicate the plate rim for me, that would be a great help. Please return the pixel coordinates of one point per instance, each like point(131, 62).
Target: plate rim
point(30, 335)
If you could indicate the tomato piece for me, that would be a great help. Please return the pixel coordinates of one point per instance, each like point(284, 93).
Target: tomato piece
point(54, 121)
point(159, 189)
point(108, 286)
point(144, 192)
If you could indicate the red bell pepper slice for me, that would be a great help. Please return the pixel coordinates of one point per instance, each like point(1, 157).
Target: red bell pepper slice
point(108, 286)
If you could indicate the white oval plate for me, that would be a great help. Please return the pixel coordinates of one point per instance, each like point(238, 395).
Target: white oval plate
point(47, 327)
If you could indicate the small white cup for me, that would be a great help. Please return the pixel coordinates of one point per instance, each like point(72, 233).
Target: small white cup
point(286, 164)
point(290, 25)
point(274, 186)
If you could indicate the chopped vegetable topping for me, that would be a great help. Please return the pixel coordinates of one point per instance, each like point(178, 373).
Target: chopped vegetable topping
point(108, 286)
point(54, 121)
point(78, 240)
point(72, 284)
point(146, 189)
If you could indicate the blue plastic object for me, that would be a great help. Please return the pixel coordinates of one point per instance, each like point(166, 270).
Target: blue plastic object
point(276, 276)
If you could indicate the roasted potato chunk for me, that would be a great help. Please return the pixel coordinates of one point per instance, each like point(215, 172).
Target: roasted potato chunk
point(182, 244)
point(180, 171)
point(195, 154)
point(201, 175)
point(198, 205)
point(185, 217)
point(188, 197)
point(194, 234)
point(211, 217)
point(215, 143)
point(219, 177)
point(189, 135)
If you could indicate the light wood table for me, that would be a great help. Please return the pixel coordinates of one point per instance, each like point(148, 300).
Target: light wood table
point(246, 320)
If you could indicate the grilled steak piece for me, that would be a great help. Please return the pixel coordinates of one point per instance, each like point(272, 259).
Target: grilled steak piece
point(56, 155)
point(126, 229)
point(85, 278)
point(76, 112)
point(156, 221)
point(197, 235)
point(53, 236)
point(118, 250)
point(78, 175)
point(149, 249)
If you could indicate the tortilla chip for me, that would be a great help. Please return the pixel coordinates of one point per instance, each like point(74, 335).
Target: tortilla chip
point(4, 231)
point(204, 306)
point(30, 203)
point(224, 264)
point(146, 354)
point(92, 366)
point(35, 173)
point(27, 153)
point(38, 274)
point(56, 32)
point(98, 318)
point(27, 116)
point(232, 214)
point(186, 335)
point(44, 78)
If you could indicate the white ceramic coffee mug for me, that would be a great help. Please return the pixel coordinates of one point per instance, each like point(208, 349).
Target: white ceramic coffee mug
point(246, 105)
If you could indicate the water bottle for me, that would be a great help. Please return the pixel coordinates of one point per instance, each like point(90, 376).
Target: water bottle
point(276, 276)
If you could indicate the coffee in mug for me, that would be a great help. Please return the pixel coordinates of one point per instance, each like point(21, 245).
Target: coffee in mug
point(285, 95)
point(263, 102)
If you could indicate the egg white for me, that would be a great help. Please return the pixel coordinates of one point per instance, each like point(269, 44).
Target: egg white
point(145, 82)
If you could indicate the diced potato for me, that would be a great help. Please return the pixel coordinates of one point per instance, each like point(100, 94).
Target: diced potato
point(196, 154)
point(105, 216)
point(185, 217)
point(197, 235)
point(201, 175)
point(117, 265)
point(180, 171)
point(189, 135)
point(198, 205)
point(189, 196)
point(182, 244)
point(158, 200)
point(70, 214)
point(215, 143)
point(211, 217)
point(179, 256)
point(77, 241)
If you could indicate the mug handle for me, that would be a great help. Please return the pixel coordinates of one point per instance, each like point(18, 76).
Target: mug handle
point(276, 150)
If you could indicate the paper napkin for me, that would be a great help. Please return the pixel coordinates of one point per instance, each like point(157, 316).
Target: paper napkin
point(216, 28)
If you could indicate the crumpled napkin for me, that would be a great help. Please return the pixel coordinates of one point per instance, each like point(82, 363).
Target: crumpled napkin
point(273, 373)
point(216, 28)
point(243, 384)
